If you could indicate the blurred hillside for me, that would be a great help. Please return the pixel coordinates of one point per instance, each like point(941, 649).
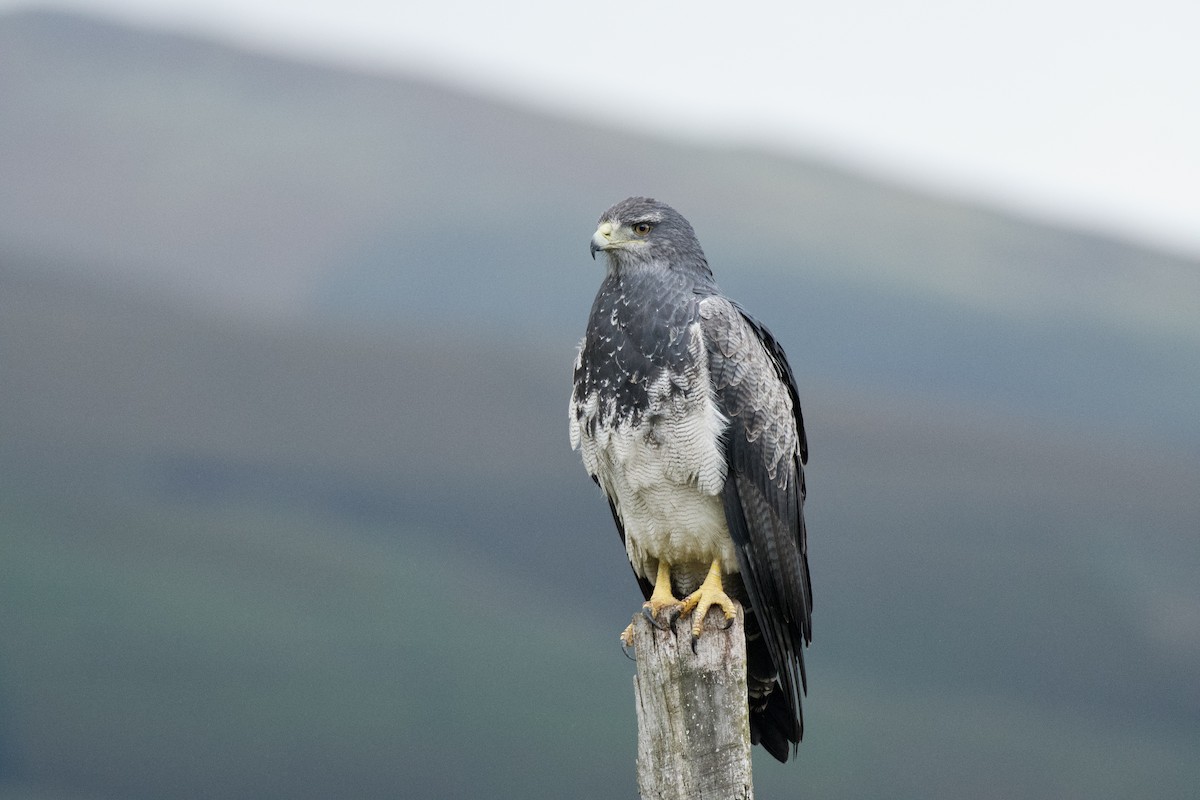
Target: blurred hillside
point(288, 508)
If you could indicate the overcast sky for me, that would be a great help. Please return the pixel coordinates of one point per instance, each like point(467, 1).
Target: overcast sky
point(1082, 111)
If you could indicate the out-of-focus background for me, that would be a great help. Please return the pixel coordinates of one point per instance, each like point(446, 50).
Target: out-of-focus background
point(288, 301)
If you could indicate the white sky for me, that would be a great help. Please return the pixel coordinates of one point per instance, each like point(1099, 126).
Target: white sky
point(1079, 111)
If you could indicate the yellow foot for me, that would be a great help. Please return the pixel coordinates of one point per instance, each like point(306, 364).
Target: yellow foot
point(661, 616)
point(662, 603)
point(711, 593)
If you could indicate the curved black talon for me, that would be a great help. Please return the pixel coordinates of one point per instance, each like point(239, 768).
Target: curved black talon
point(672, 616)
point(625, 649)
point(648, 614)
point(695, 638)
point(728, 623)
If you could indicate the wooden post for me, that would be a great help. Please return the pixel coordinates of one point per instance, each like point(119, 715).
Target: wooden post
point(693, 723)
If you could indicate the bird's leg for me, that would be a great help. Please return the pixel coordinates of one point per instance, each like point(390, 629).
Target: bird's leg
point(662, 602)
point(711, 593)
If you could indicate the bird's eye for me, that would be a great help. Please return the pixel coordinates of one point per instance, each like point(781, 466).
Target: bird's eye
point(642, 228)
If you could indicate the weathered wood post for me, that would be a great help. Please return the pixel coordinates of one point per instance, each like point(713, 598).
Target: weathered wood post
point(693, 723)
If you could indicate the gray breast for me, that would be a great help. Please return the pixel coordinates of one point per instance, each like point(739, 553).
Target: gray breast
point(641, 327)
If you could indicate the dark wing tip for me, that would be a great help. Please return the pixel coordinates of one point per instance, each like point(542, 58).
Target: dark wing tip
point(776, 729)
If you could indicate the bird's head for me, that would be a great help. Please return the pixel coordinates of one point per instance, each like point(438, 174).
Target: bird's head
point(641, 231)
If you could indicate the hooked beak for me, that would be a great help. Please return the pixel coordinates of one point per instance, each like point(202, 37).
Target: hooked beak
point(602, 238)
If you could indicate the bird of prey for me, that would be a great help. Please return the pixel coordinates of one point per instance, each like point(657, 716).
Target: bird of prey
point(686, 414)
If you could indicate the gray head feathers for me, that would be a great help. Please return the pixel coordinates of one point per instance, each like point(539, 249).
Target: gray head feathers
point(642, 232)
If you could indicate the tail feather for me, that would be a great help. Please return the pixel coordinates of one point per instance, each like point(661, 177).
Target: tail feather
point(772, 721)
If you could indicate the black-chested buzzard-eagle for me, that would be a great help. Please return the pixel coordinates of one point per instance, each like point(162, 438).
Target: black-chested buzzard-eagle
point(686, 413)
